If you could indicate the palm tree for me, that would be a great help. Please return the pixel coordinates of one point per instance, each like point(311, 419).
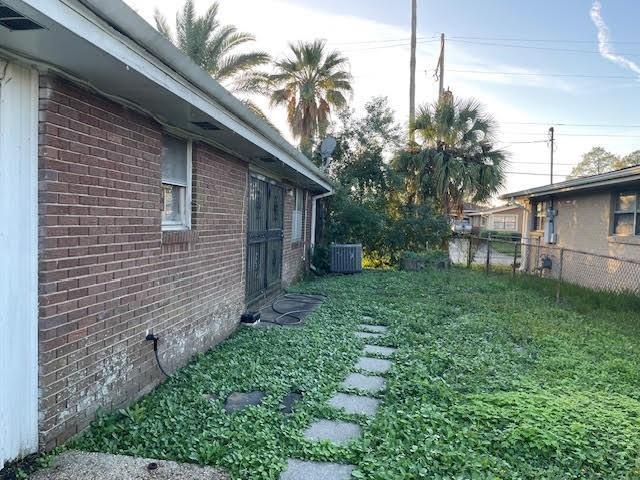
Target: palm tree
point(310, 84)
point(457, 159)
point(213, 47)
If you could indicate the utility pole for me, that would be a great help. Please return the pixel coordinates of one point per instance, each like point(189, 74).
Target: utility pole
point(441, 66)
point(412, 66)
point(552, 142)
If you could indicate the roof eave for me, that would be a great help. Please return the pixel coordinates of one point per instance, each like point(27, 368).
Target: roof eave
point(127, 22)
point(586, 183)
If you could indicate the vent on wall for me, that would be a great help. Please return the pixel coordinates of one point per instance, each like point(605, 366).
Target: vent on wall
point(13, 20)
point(206, 125)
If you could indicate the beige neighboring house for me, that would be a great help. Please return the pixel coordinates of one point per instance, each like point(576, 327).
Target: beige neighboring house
point(507, 218)
point(599, 214)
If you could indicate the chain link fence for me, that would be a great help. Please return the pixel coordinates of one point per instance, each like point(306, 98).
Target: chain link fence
point(531, 256)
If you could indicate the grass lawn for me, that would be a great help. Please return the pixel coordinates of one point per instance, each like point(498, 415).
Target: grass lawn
point(491, 380)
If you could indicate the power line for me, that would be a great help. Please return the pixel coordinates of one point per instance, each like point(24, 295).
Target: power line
point(532, 141)
point(558, 124)
point(535, 47)
point(542, 164)
point(612, 135)
point(537, 174)
point(527, 74)
point(539, 40)
point(391, 40)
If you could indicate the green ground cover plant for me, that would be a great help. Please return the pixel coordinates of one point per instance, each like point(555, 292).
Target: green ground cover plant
point(491, 380)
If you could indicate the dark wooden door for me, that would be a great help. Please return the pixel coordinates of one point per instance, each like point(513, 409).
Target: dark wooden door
point(264, 238)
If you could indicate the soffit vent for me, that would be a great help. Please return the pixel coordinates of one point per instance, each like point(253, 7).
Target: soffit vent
point(206, 125)
point(13, 20)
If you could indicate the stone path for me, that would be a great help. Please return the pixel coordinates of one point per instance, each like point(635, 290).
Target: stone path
point(336, 432)
point(367, 383)
point(299, 470)
point(340, 432)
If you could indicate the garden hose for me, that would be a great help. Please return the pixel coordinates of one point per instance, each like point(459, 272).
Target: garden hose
point(312, 300)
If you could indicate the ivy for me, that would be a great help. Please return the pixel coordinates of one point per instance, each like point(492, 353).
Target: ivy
point(491, 380)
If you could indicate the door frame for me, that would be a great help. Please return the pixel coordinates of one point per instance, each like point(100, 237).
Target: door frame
point(18, 237)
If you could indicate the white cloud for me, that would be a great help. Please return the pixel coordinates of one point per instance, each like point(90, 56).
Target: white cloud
point(604, 42)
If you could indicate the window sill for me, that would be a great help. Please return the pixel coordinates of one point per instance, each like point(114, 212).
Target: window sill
point(625, 239)
point(173, 237)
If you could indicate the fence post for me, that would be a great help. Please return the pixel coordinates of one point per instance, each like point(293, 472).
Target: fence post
point(515, 258)
point(469, 254)
point(538, 270)
point(488, 254)
point(560, 275)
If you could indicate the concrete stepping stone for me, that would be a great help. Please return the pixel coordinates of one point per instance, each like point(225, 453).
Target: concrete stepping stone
point(336, 432)
point(238, 400)
point(374, 365)
point(368, 383)
point(382, 351)
point(355, 404)
point(289, 401)
point(373, 328)
point(299, 470)
point(368, 335)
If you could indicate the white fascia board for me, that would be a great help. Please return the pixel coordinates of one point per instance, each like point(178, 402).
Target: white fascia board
point(631, 174)
point(86, 25)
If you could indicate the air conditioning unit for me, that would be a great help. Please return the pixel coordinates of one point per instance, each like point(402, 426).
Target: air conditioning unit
point(346, 258)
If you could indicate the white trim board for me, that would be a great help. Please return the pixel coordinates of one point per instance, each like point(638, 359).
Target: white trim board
point(19, 262)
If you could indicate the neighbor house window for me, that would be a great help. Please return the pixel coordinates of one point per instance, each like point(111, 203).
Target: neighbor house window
point(176, 183)
point(626, 216)
point(539, 215)
point(296, 218)
point(504, 222)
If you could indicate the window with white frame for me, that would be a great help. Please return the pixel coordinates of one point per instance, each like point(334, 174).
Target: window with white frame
point(176, 183)
point(297, 215)
point(626, 214)
point(539, 216)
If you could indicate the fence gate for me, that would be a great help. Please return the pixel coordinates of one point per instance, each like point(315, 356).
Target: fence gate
point(264, 237)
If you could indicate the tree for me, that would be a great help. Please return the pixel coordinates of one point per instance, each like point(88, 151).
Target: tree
point(630, 160)
point(368, 205)
point(457, 160)
point(310, 84)
point(214, 46)
point(596, 161)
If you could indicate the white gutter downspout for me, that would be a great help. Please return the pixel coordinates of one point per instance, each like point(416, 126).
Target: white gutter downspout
point(314, 199)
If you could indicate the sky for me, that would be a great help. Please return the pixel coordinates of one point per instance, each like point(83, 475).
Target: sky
point(571, 64)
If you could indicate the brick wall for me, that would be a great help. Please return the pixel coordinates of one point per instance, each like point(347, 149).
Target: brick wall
point(107, 273)
point(295, 254)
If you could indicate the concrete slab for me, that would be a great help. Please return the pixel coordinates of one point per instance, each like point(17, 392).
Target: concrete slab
point(367, 383)
point(336, 432)
point(355, 404)
point(375, 365)
point(382, 351)
point(373, 328)
point(238, 400)
point(368, 335)
point(74, 465)
point(299, 470)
